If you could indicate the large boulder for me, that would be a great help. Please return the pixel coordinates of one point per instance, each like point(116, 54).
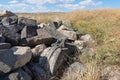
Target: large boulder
point(43, 37)
point(52, 58)
point(55, 34)
point(69, 33)
point(13, 58)
point(9, 20)
point(28, 31)
point(10, 36)
point(19, 74)
point(7, 61)
point(15, 28)
point(6, 13)
point(23, 55)
point(39, 73)
point(27, 22)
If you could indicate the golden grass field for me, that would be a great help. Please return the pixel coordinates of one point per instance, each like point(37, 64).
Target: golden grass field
point(103, 25)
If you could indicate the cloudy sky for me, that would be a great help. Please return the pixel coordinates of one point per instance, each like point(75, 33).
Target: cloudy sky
point(56, 5)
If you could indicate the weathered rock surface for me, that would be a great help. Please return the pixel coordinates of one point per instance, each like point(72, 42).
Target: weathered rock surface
point(13, 58)
point(27, 22)
point(39, 73)
point(7, 61)
point(6, 13)
point(37, 52)
point(69, 33)
point(15, 28)
point(55, 34)
point(86, 38)
point(23, 55)
point(9, 20)
point(38, 49)
point(43, 37)
point(10, 36)
point(17, 75)
point(5, 45)
point(76, 67)
point(52, 57)
point(79, 44)
point(28, 31)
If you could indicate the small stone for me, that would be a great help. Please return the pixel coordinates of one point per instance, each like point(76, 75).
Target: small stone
point(41, 25)
point(76, 67)
point(38, 49)
point(79, 44)
point(37, 52)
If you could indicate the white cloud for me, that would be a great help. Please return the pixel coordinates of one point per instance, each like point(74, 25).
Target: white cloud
point(39, 5)
point(13, 1)
point(86, 2)
point(90, 2)
point(40, 2)
point(67, 1)
point(71, 6)
point(23, 7)
point(81, 5)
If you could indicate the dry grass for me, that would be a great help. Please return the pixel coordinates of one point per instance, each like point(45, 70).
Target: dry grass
point(92, 73)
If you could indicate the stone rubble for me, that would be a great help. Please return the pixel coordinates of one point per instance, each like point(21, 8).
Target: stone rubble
point(29, 51)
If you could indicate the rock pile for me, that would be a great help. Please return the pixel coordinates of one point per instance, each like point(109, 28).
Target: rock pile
point(29, 51)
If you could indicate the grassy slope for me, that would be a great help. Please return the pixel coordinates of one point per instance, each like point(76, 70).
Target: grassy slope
point(103, 25)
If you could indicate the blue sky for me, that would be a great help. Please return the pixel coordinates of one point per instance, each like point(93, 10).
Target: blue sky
point(56, 5)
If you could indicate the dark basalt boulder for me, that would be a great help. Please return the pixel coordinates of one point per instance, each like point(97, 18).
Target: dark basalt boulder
point(9, 20)
point(10, 36)
point(27, 22)
point(28, 31)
